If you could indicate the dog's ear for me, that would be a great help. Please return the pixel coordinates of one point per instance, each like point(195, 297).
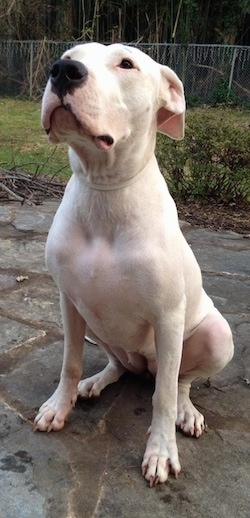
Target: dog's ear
point(171, 114)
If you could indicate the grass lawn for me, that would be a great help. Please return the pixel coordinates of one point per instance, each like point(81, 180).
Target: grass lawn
point(23, 142)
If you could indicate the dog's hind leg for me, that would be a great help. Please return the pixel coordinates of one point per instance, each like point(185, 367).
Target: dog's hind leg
point(119, 362)
point(205, 353)
point(92, 387)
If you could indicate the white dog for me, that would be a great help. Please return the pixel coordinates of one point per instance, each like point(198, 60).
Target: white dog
point(127, 277)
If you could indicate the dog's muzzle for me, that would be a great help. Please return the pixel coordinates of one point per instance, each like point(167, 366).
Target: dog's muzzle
point(66, 75)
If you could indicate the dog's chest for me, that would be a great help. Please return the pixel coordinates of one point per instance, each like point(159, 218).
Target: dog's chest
point(108, 283)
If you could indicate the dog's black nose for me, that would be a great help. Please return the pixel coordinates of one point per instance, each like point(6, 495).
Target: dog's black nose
point(66, 75)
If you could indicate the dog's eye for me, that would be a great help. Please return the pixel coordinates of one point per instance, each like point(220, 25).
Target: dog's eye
point(126, 63)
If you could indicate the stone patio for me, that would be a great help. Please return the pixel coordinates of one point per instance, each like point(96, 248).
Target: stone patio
point(92, 467)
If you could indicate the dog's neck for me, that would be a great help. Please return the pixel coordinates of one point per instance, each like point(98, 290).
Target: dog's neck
point(113, 186)
point(102, 176)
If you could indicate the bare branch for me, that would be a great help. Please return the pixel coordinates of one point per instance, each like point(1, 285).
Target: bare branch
point(29, 188)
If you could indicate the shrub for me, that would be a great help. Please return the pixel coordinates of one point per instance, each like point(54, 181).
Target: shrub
point(212, 162)
point(221, 94)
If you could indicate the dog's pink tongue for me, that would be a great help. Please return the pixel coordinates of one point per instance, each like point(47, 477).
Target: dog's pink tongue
point(104, 142)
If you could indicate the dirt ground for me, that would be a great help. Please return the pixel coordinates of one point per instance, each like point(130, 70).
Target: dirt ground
point(217, 217)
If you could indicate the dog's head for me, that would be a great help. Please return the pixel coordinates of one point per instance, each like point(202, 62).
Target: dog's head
point(102, 96)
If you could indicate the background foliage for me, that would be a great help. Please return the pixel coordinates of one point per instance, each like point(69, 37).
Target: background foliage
point(212, 162)
point(173, 21)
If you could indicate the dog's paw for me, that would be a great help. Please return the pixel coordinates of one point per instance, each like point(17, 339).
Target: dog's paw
point(92, 387)
point(53, 414)
point(160, 458)
point(89, 387)
point(189, 419)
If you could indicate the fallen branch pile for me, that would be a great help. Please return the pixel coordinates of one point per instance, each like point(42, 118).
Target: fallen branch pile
point(28, 188)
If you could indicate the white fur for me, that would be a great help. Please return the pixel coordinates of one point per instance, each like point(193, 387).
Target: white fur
point(127, 277)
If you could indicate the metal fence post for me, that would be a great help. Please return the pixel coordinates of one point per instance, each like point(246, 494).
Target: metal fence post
point(31, 67)
point(235, 52)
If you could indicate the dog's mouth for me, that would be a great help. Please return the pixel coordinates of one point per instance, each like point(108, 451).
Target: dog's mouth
point(104, 142)
point(62, 121)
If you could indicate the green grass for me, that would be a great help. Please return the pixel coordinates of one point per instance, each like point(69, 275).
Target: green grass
point(23, 142)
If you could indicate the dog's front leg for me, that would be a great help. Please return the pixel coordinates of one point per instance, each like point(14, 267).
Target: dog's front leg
point(54, 412)
point(161, 455)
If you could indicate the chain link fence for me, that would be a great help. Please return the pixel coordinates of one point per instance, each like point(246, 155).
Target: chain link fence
point(210, 73)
